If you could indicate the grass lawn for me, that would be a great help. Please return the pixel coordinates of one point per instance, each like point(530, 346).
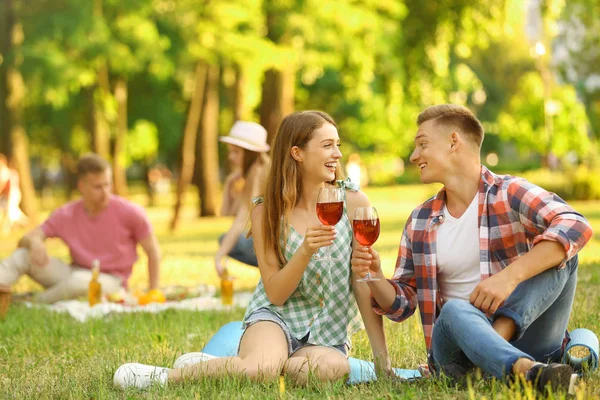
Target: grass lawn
point(49, 355)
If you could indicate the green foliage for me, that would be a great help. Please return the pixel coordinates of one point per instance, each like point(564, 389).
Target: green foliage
point(64, 49)
point(373, 65)
point(141, 46)
point(142, 141)
point(576, 183)
point(524, 122)
point(350, 70)
point(584, 183)
point(577, 54)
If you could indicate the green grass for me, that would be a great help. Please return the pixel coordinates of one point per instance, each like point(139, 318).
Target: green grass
point(49, 355)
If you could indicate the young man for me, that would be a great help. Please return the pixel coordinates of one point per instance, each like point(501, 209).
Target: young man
point(99, 226)
point(491, 261)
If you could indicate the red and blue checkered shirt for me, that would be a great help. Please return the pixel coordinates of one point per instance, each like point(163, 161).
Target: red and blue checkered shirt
point(514, 215)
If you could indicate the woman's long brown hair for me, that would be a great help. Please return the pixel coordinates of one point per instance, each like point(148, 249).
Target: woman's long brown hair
point(284, 183)
point(249, 158)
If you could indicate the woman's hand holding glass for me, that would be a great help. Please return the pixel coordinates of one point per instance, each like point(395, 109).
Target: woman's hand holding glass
point(330, 208)
point(316, 237)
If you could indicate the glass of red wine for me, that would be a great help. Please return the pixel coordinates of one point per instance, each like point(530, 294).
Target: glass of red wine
point(365, 224)
point(330, 206)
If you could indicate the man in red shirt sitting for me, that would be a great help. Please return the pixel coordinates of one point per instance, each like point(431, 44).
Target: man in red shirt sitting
point(98, 226)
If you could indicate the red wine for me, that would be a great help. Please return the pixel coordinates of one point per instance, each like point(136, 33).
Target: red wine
point(366, 231)
point(330, 213)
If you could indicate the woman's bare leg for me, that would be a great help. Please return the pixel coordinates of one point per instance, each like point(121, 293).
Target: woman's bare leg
point(326, 363)
point(263, 352)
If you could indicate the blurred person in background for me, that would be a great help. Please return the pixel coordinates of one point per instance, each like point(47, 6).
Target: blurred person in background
point(357, 171)
point(98, 226)
point(247, 153)
point(11, 214)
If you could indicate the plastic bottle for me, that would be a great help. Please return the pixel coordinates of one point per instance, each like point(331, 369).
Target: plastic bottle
point(95, 288)
point(226, 289)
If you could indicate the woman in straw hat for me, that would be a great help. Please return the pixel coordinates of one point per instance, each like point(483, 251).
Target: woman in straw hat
point(303, 311)
point(246, 148)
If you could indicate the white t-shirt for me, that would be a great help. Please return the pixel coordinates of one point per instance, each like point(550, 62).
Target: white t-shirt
point(458, 253)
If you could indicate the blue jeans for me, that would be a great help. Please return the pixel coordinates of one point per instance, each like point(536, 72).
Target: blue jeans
point(243, 251)
point(463, 337)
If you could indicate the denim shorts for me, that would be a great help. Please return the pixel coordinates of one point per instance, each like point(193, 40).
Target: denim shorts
point(294, 344)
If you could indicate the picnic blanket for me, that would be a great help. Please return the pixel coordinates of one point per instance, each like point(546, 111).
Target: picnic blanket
point(81, 311)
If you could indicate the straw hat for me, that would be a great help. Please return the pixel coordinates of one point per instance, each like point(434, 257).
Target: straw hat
point(247, 135)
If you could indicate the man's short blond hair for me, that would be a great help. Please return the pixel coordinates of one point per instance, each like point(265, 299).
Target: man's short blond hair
point(456, 116)
point(91, 163)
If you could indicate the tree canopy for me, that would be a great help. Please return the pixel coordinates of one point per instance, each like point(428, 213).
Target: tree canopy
point(372, 65)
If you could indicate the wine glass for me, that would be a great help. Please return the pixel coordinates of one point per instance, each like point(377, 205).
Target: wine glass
point(330, 207)
point(365, 224)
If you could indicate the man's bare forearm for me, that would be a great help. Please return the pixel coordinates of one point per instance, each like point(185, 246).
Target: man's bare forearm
point(150, 246)
point(32, 236)
point(154, 270)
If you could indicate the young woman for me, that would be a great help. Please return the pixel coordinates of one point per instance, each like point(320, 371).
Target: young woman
point(234, 182)
point(302, 312)
point(246, 151)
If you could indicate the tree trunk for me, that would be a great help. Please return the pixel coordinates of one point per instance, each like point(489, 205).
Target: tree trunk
point(120, 179)
point(89, 117)
point(591, 103)
point(240, 111)
point(6, 22)
point(69, 164)
point(150, 192)
point(101, 131)
point(188, 147)
point(288, 90)
point(20, 160)
point(68, 160)
point(278, 85)
point(277, 98)
point(208, 161)
point(12, 121)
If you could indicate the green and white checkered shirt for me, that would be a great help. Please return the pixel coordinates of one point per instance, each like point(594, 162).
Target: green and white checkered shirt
point(323, 303)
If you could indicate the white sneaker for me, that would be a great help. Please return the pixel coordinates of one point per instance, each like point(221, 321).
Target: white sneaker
point(139, 376)
point(188, 359)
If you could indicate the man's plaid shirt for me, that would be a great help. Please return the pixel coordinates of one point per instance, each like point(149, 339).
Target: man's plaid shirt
point(514, 215)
